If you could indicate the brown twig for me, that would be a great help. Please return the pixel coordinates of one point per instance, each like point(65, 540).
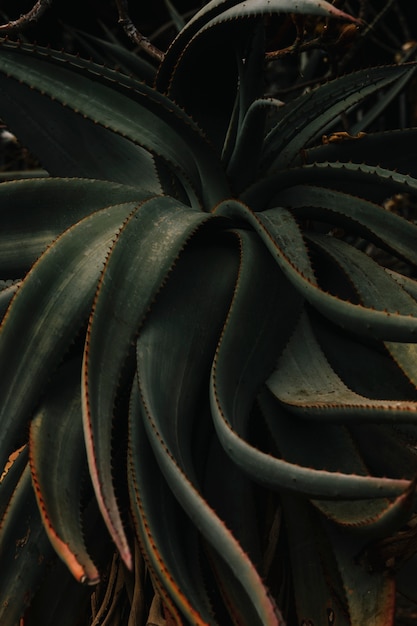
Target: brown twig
point(133, 33)
point(25, 20)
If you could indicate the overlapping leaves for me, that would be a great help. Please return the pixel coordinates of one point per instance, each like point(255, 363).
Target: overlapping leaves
point(195, 347)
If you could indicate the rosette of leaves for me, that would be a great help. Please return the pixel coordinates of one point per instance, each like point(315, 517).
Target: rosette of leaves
point(204, 370)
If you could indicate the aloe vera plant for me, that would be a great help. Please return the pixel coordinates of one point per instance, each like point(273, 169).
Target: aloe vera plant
point(208, 382)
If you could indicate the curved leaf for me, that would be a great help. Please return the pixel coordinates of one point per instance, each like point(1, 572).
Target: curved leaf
point(369, 181)
point(359, 216)
point(72, 144)
point(302, 123)
point(34, 212)
point(59, 465)
point(305, 383)
point(218, 11)
point(238, 372)
point(169, 416)
point(58, 291)
point(393, 149)
point(161, 527)
point(318, 484)
point(116, 103)
point(377, 289)
point(142, 257)
point(273, 226)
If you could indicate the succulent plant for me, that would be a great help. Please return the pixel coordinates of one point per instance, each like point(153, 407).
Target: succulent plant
point(208, 340)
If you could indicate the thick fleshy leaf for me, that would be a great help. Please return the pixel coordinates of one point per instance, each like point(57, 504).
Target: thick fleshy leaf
point(280, 474)
point(335, 450)
point(117, 104)
point(377, 289)
point(71, 144)
point(11, 476)
point(273, 226)
point(319, 483)
point(58, 292)
point(303, 123)
point(306, 384)
point(238, 371)
point(394, 149)
point(59, 466)
point(370, 519)
point(168, 415)
point(393, 452)
point(378, 108)
point(218, 11)
point(202, 59)
point(162, 526)
point(174, 52)
point(34, 212)
point(364, 365)
point(113, 54)
point(289, 238)
point(327, 561)
point(143, 255)
point(243, 142)
point(356, 215)
point(244, 161)
point(262, 7)
point(370, 182)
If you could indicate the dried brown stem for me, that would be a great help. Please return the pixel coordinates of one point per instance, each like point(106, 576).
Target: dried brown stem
point(133, 33)
point(28, 18)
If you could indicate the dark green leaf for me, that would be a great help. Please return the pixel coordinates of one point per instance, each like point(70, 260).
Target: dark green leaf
point(59, 466)
point(311, 113)
point(144, 253)
point(34, 212)
point(168, 415)
point(58, 292)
